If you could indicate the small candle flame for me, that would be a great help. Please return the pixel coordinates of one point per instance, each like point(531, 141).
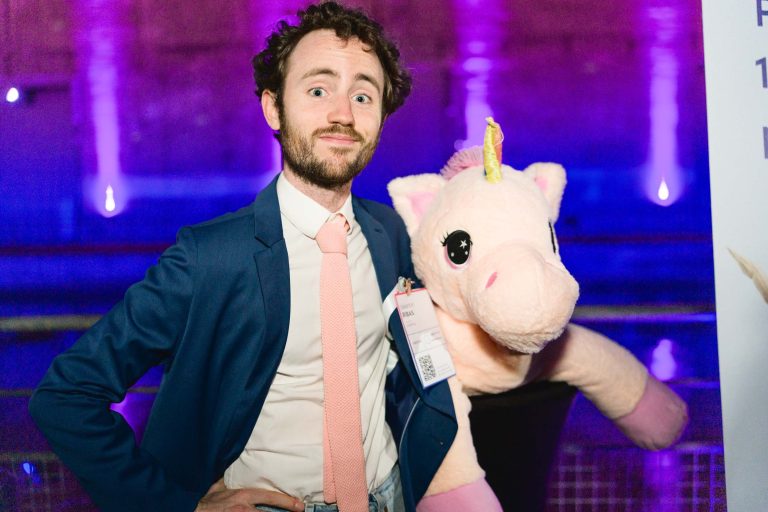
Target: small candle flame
point(12, 95)
point(109, 204)
point(663, 190)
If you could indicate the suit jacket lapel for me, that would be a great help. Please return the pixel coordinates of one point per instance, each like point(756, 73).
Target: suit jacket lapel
point(272, 264)
point(379, 246)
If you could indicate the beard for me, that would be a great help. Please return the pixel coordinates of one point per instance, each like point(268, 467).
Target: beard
point(334, 172)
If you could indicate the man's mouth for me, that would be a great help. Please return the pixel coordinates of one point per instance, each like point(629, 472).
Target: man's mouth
point(339, 136)
point(338, 139)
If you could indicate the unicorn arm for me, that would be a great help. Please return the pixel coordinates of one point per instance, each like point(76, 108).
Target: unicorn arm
point(459, 483)
point(645, 410)
point(607, 373)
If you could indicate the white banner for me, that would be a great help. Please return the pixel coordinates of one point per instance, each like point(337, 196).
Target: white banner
point(735, 50)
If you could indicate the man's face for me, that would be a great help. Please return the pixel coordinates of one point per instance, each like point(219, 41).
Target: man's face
point(331, 114)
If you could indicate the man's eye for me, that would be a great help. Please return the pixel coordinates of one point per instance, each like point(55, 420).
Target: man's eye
point(361, 98)
point(317, 92)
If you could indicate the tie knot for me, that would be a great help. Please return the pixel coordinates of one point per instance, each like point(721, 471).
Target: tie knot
point(332, 237)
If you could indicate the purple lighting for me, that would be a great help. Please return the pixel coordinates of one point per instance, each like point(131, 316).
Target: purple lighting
point(663, 365)
point(478, 39)
point(130, 410)
point(476, 108)
point(120, 406)
point(663, 181)
point(100, 38)
point(265, 16)
point(662, 471)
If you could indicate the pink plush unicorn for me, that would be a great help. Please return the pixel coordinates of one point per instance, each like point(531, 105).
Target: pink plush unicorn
point(484, 245)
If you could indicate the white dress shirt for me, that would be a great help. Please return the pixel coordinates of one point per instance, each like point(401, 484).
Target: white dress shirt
point(285, 450)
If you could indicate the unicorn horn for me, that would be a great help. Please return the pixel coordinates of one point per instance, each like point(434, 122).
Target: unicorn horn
point(492, 151)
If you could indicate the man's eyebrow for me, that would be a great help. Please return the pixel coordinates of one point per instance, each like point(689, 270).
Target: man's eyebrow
point(369, 79)
point(319, 71)
point(327, 71)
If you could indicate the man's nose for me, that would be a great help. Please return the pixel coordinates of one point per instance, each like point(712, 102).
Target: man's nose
point(341, 111)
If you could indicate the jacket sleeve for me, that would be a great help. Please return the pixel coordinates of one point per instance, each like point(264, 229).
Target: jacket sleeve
point(71, 405)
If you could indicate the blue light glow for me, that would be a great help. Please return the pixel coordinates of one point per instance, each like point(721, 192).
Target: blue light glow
point(28, 468)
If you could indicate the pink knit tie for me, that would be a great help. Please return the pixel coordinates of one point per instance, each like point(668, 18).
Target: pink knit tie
point(344, 479)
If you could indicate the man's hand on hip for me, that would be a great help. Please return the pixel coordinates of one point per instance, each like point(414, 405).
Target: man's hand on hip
point(220, 499)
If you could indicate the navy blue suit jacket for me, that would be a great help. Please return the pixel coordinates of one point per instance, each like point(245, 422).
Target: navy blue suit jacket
point(215, 311)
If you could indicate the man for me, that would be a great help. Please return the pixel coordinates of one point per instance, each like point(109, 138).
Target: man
point(232, 312)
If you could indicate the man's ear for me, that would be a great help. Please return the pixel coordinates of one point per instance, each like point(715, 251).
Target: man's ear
point(270, 110)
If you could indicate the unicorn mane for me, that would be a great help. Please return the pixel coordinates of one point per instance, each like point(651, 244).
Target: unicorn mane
point(462, 160)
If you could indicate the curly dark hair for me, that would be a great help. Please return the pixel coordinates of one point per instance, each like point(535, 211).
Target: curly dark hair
point(269, 66)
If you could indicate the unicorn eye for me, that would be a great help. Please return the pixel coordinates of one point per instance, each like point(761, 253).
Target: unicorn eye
point(457, 245)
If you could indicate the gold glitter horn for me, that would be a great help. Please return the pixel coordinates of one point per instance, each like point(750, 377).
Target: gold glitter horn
point(492, 151)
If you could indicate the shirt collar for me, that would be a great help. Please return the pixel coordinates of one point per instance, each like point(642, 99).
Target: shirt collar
point(305, 213)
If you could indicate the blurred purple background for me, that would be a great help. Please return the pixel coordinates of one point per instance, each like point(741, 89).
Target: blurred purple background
point(135, 117)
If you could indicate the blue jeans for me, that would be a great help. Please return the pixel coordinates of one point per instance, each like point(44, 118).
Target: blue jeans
point(388, 497)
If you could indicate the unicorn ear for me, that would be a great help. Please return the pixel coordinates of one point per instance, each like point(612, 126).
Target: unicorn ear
point(550, 178)
point(412, 196)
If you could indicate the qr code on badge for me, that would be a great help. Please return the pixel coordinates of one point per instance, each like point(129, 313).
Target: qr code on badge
point(427, 368)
